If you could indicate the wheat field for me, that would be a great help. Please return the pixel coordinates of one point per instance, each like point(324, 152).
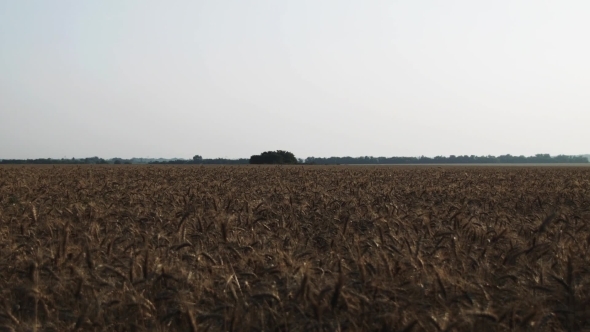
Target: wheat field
point(294, 248)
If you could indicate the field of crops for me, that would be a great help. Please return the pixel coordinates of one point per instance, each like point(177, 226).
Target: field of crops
point(297, 248)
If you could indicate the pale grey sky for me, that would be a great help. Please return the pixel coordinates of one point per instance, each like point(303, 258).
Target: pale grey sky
point(123, 78)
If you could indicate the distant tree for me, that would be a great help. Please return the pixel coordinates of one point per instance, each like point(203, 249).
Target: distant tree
point(117, 161)
point(197, 159)
point(274, 157)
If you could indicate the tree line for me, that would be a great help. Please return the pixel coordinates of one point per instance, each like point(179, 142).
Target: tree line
point(63, 161)
point(198, 160)
point(465, 159)
point(286, 157)
point(267, 157)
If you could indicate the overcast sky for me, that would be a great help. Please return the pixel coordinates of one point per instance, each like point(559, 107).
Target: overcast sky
point(122, 78)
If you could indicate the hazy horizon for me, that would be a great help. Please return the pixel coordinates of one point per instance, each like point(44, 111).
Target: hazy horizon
point(331, 78)
point(247, 157)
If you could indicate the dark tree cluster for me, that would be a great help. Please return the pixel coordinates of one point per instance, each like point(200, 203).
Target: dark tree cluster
point(274, 157)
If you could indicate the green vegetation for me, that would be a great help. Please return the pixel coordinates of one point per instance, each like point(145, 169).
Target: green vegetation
point(198, 160)
point(274, 157)
point(63, 161)
point(285, 157)
point(503, 159)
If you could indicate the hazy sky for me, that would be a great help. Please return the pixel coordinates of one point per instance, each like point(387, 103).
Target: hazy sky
point(118, 78)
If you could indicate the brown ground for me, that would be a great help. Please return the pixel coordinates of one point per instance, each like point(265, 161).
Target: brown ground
point(294, 248)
